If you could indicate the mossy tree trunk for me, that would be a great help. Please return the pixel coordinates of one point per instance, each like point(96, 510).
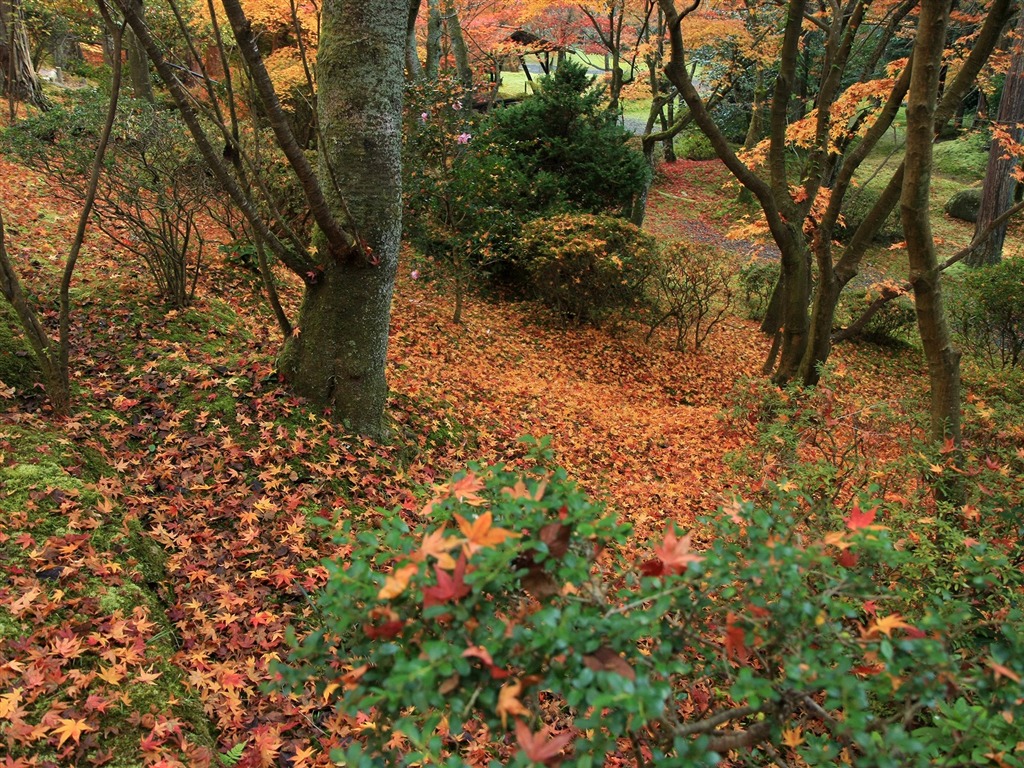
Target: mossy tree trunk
point(337, 356)
point(16, 70)
point(1000, 187)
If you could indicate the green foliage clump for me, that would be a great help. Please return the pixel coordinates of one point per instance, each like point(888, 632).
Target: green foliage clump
point(694, 145)
point(987, 310)
point(757, 282)
point(856, 206)
point(892, 322)
point(690, 289)
point(584, 266)
point(800, 630)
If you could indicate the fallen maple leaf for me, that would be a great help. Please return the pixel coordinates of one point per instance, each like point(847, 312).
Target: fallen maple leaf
point(604, 659)
point(1002, 671)
point(437, 545)
point(9, 702)
point(481, 533)
point(396, 582)
point(542, 747)
point(465, 489)
point(449, 587)
point(509, 703)
point(675, 553)
point(858, 519)
point(71, 729)
point(887, 624)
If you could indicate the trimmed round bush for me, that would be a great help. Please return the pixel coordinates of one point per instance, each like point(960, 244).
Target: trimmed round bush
point(585, 266)
point(757, 281)
point(987, 311)
point(857, 205)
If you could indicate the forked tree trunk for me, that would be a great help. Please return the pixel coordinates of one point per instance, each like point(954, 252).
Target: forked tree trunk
point(943, 359)
point(337, 356)
point(459, 49)
point(18, 75)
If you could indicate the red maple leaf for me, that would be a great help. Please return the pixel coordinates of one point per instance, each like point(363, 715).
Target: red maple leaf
point(449, 587)
point(858, 519)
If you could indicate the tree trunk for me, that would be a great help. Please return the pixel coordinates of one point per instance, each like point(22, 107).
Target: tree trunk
point(434, 27)
point(337, 355)
point(459, 50)
point(943, 359)
point(138, 62)
point(19, 76)
point(1000, 187)
point(413, 67)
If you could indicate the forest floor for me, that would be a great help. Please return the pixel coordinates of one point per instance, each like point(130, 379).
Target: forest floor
point(157, 543)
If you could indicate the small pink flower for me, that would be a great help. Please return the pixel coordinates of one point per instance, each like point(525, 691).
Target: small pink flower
point(456, 105)
point(424, 116)
point(415, 274)
point(464, 138)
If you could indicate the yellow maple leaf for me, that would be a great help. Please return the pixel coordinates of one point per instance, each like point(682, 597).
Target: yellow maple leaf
point(437, 545)
point(481, 533)
point(71, 729)
point(509, 703)
point(792, 737)
point(886, 624)
point(9, 702)
point(396, 581)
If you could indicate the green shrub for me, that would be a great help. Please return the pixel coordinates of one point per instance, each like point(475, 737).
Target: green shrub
point(856, 206)
point(584, 266)
point(811, 635)
point(694, 145)
point(893, 321)
point(987, 310)
point(689, 288)
point(757, 282)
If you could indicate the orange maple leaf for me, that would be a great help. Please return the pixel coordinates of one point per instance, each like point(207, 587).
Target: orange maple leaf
point(481, 533)
point(1002, 671)
point(396, 581)
point(71, 729)
point(520, 491)
point(465, 489)
point(675, 553)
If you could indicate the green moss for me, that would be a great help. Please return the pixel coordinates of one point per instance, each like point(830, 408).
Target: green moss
point(963, 158)
point(10, 627)
point(18, 367)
